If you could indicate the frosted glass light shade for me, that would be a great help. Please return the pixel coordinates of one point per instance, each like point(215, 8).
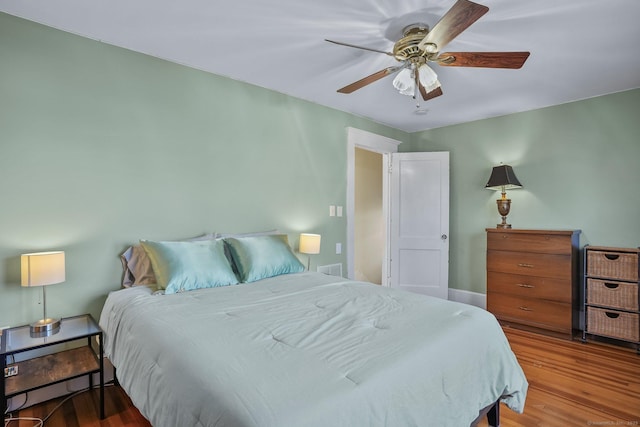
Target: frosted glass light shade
point(428, 78)
point(310, 243)
point(42, 268)
point(404, 82)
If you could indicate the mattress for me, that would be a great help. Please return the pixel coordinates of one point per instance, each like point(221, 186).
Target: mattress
point(307, 349)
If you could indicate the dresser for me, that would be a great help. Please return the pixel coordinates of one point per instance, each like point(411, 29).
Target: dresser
point(533, 279)
point(612, 304)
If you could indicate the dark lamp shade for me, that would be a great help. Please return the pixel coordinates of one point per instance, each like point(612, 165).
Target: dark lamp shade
point(502, 177)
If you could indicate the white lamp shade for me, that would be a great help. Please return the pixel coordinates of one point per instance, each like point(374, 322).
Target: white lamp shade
point(42, 268)
point(309, 243)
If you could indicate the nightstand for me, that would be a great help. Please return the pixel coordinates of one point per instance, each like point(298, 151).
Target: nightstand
point(62, 363)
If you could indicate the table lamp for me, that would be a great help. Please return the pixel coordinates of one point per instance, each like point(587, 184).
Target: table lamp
point(43, 269)
point(310, 245)
point(503, 178)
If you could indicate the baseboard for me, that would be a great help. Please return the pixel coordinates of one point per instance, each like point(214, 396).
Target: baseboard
point(468, 297)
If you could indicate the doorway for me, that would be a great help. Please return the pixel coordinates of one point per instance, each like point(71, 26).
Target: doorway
point(415, 216)
point(369, 226)
point(380, 146)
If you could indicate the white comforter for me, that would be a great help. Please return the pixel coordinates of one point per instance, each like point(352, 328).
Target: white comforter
point(307, 350)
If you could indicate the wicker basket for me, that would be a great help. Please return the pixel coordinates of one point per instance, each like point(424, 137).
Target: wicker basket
point(614, 324)
point(613, 265)
point(612, 294)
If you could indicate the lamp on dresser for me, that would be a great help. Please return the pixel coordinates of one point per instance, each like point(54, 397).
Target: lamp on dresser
point(43, 269)
point(503, 178)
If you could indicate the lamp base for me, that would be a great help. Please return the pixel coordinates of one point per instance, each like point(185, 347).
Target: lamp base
point(44, 327)
point(504, 206)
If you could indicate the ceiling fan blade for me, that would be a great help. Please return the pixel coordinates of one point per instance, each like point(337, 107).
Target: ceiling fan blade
point(358, 47)
point(456, 20)
point(430, 95)
point(483, 59)
point(369, 79)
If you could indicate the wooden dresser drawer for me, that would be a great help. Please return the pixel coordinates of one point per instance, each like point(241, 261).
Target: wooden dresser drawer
point(530, 264)
point(531, 286)
point(609, 293)
point(539, 313)
point(525, 242)
point(612, 265)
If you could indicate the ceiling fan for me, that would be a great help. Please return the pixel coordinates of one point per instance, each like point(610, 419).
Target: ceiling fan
point(421, 45)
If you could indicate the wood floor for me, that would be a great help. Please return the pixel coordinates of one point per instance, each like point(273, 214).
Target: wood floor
point(575, 384)
point(570, 384)
point(83, 411)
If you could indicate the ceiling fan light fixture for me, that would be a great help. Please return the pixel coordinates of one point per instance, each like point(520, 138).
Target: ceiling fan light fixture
point(428, 78)
point(404, 82)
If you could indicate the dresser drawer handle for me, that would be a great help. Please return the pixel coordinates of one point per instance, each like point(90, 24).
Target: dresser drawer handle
point(611, 257)
point(611, 285)
point(611, 315)
point(522, 264)
point(524, 285)
point(525, 308)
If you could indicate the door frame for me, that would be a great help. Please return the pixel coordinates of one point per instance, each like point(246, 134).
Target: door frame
point(358, 138)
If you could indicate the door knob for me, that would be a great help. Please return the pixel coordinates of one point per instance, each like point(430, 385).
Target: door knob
point(443, 237)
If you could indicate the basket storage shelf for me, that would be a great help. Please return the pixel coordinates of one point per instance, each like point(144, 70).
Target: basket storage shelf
point(611, 297)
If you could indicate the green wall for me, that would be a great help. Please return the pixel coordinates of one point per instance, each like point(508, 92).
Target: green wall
point(578, 163)
point(101, 146)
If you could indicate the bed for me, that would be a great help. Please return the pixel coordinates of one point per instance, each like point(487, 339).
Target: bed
point(304, 349)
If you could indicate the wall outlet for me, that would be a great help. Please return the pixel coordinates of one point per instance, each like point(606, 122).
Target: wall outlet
point(11, 371)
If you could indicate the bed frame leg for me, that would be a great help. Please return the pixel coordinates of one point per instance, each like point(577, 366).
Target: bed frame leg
point(493, 416)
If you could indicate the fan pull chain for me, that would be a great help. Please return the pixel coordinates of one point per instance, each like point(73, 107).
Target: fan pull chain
point(416, 88)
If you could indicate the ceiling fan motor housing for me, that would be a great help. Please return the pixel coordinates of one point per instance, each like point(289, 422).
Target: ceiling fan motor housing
point(407, 49)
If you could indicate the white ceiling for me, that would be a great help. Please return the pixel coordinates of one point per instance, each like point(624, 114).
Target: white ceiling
point(579, 48)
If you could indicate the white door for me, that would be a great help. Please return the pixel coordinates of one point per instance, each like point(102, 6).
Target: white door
point(419, 223)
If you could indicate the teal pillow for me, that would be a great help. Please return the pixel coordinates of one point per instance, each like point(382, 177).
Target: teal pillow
point(260, 257)
point(185, 266)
